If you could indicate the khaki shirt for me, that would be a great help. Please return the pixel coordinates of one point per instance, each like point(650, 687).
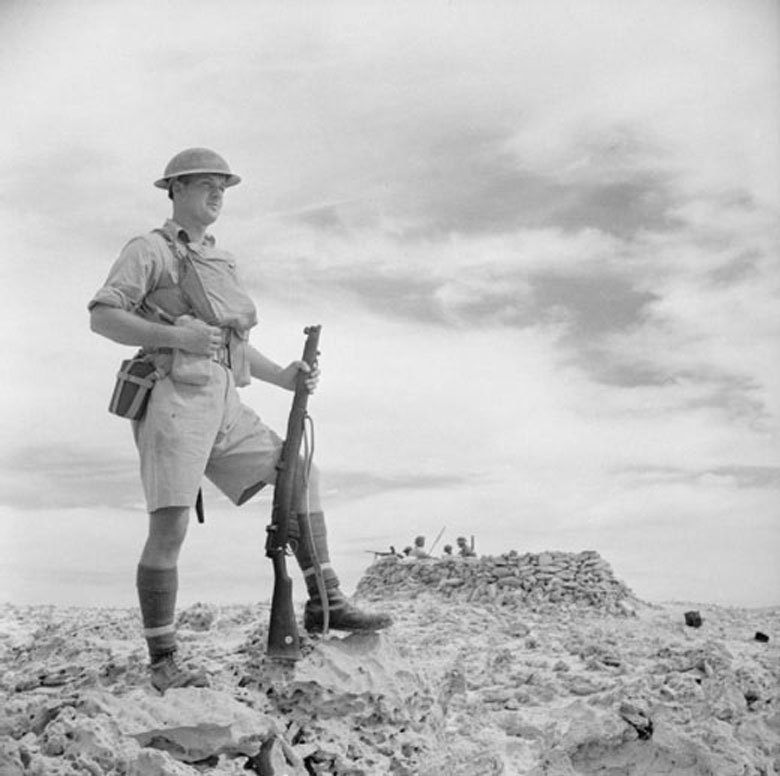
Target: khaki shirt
point(145, 280)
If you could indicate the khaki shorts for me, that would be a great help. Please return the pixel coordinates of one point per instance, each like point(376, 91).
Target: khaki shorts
point(192, 430)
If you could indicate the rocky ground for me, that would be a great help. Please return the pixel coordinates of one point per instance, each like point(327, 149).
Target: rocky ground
point(458, 686)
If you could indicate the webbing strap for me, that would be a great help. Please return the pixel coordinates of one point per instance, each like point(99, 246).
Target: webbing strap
point(195, 295)
point(129, 377)
point(135, 404)
point(223, 355)
point(316, 567)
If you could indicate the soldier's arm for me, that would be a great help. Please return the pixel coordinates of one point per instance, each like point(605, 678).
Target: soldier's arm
point(127, 328)
point(263, 368)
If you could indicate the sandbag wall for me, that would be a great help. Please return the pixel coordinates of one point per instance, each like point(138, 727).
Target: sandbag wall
point(513, 580)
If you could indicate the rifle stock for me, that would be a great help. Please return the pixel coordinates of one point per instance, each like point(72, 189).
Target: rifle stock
point(283, 641)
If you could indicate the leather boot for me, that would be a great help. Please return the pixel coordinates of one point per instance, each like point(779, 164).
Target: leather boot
point(167, 674)
point(342, 615)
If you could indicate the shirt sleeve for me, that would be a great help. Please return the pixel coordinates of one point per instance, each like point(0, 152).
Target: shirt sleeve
point(133, 275)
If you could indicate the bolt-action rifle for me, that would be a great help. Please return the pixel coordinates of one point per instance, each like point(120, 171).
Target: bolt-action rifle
point(283, 640)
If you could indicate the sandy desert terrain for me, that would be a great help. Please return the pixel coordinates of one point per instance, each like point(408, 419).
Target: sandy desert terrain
point(456, 686)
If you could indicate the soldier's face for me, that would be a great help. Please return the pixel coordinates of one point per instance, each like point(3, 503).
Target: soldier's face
point(200, 198)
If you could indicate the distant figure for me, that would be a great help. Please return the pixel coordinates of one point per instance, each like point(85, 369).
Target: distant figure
point(447, 550)
point(464, 550)
point(407, 551)
point(418, 551)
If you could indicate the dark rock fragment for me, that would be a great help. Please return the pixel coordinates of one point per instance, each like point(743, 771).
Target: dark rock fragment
point(693, 619)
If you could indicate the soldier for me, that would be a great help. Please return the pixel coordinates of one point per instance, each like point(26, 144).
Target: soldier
point(418, 551)
point(464, 548)
point(179, 297)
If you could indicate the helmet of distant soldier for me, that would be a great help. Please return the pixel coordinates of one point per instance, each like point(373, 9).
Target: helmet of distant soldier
point(194, 161)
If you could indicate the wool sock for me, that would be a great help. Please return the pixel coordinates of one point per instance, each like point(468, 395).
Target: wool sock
point(157, 590)
point(304, 553)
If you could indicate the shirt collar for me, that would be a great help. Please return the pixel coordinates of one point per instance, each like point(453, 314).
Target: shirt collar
point(180, 233)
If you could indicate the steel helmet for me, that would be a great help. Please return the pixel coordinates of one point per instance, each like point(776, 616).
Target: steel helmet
point(196, 160)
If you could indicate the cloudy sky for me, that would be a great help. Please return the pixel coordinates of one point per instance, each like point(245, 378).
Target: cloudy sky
point(541, 239)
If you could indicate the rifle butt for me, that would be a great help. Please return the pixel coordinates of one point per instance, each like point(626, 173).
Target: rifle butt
point(283, 641)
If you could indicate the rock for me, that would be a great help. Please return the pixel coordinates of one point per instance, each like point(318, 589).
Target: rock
point(638, 718)
point(10, 766)
point(199, 617)
point(276, 757)
point(693, 619)
point(579, 685)
point(583, 579)
point(515, 685)
point(190, 724)
point(514, 723)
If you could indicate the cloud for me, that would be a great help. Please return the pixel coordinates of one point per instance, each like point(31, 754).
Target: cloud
point(403, 295)
point(595, 304)
point(669, 310)
point(756, 477)
point(751, 476)
point(72, 176)
point(467, 179)
point(470, 182)
point(62, 476)
point(57, 477)
point(356, 484)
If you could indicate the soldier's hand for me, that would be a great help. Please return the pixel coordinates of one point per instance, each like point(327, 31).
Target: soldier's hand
point(289, 375)
point(196, 336)
point(312, 377)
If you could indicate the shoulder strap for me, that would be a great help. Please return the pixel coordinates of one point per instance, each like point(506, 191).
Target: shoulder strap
point(174, 247)
point(189, 281)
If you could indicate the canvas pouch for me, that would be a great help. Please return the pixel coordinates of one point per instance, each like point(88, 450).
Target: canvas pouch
point(133, 387)
point(190, 369)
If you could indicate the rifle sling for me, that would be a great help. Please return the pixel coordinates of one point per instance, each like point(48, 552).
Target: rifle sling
point(319, 578)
